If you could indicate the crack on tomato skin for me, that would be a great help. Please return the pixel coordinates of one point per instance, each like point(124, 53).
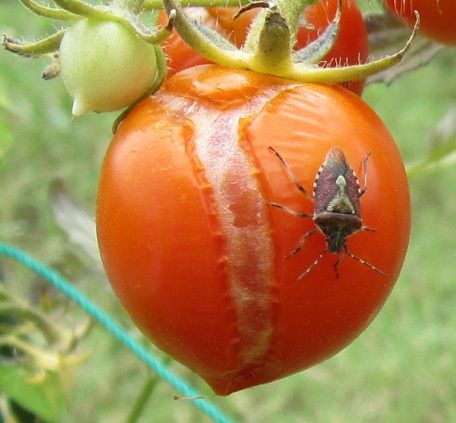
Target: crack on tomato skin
point(219, 161)
point(210, 204)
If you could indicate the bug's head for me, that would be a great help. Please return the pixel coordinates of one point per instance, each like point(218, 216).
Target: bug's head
point(335, 161)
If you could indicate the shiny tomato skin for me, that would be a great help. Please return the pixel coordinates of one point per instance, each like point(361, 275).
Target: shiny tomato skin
point(350, 48)
point(197, 255)
point(438, 17)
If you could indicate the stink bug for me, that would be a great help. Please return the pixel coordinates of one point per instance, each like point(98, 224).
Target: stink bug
point(336, 195)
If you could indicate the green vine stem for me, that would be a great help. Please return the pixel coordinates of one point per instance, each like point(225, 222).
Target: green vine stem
point(158, 4)
point(143, 398)
point(81, 8)
point(288, 11)
point(48, 12)
point(134, 6)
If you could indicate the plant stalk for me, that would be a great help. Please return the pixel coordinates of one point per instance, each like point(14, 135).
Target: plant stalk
point(158, 4)
point(134, 6)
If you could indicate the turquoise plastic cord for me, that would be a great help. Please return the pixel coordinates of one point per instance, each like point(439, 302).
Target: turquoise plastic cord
point(111, 326)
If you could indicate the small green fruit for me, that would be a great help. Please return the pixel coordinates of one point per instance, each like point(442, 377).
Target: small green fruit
point(105, 66)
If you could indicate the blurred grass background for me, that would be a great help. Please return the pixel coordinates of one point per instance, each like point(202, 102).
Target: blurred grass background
point(402, 368)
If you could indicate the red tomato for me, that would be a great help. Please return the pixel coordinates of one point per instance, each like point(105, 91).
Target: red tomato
point(438, 17)
point(195, 251)
point(350, 48)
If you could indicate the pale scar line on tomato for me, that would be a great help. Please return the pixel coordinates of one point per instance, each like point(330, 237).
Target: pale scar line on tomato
point(243, 216)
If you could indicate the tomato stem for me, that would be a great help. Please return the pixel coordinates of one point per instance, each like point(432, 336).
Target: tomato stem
point(48, 12)
point(273, 48)
point(158, 4)
point(144, 396)
point(80, 8)
point(134, 6)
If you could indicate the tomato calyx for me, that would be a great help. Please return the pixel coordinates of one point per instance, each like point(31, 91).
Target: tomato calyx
point(269, 44)
point(132, 59)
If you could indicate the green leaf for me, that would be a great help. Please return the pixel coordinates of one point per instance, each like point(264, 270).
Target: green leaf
point(45, 399)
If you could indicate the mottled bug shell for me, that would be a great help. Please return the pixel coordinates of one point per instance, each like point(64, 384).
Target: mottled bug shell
point(325, 187)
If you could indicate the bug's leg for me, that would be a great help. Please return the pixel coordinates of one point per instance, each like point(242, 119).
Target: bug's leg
point(301, 243)
point(364, 172)
point(312, 266)
point(288, 171)
point(366, 263)
point(288, 210)
point(366, 228)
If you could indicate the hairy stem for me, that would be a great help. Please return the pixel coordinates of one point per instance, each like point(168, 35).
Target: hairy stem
point(289, 10)
point(48, 12)
point(81, 8)
point(134, 6)
point(158, 4)
point(144, 396)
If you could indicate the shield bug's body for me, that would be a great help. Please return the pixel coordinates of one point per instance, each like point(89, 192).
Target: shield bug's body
point(337, 214)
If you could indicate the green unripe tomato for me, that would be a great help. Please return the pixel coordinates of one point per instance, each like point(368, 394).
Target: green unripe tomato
point(105, 66)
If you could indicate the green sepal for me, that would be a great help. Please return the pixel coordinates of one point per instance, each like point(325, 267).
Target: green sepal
point(44, 46)
point(309, 73)
point(315, 51)
point(206, 41)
